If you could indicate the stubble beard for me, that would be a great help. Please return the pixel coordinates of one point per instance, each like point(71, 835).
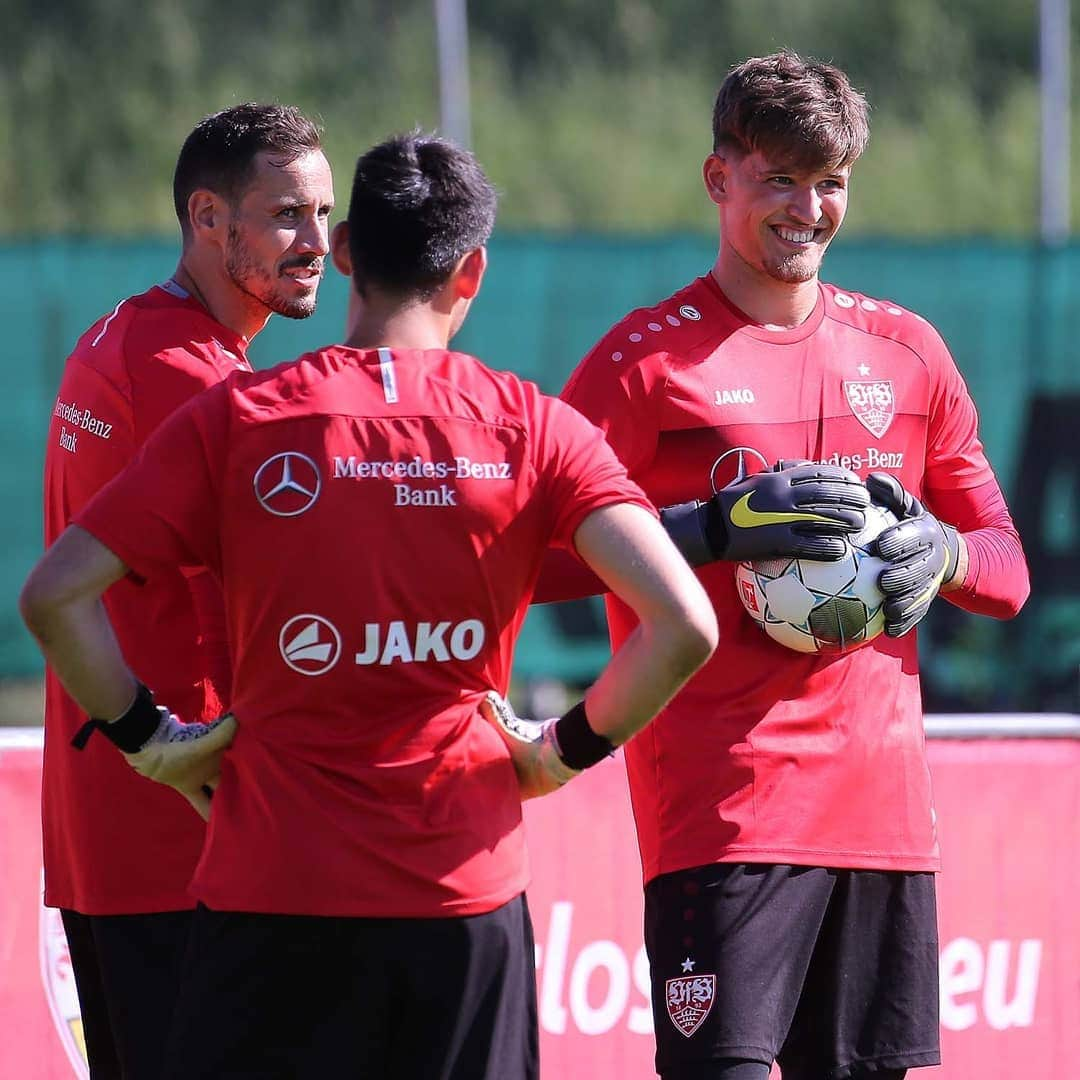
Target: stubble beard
point(253, 281)
point(794, 269)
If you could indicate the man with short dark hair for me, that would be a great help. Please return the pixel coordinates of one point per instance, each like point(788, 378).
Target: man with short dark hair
point(377, 513)
point(253, 194)
point(783, 801)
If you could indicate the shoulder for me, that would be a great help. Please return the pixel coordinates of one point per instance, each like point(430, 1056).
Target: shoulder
point(642, 349)
point(152, 334)
point(288, 387)
point(675, 327)
point(884, 319)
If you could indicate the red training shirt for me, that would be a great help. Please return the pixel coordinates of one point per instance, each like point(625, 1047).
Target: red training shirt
point(377, 519)
point(128, 372)
point(768, 755)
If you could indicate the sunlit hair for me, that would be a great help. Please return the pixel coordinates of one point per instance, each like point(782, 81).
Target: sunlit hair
point(804, 113)
point(419, 203)
point(219, 155)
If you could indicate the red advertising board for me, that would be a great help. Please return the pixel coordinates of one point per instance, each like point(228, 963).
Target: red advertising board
point(1009, 814)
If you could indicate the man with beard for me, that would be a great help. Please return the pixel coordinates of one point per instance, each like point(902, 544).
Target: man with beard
point(377, 513)
point(253, 194)
point(782, 800)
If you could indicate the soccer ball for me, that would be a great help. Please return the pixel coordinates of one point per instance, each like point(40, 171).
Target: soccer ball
point(813, 606)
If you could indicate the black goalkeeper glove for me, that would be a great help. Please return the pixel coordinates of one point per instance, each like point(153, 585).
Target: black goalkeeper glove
point(922, 553)
point(796, 509)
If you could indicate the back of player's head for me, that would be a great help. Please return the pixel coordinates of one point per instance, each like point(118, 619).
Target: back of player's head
point(220, 153)
point(802, 112)
point(418, 204)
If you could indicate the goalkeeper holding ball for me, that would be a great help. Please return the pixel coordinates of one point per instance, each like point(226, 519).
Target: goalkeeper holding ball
point(377, 514)
point(783, 801)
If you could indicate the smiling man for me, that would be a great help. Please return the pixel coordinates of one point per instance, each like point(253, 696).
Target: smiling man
point(253, 194)
point(783, 800)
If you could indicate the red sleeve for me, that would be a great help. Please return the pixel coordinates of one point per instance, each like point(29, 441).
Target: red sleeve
point(997, 582)
point(563, 576)
point(959, 487)
point(954, 453)
point(577, 469)
point(617, 396)
point(613, 391)
point(165, 379)
point(162, 510)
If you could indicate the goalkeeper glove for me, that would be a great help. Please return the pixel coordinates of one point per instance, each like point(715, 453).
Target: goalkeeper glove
point(795, 509)
point(921, 551)
point(546, 753)
point(186, 757)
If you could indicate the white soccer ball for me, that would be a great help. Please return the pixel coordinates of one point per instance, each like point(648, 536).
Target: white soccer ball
point(813, 606)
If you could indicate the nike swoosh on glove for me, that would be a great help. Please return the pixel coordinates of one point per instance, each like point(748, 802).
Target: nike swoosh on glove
point(533, 747)
point(921, 551)
point(796, 509)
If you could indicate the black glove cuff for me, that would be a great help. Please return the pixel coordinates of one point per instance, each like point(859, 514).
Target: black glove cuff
point(952, 547)
point(579, 745)
point(686, 524)
point(133, 730)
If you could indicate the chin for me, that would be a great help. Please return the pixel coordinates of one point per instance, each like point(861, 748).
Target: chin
point(294, 309)
point(794, 270)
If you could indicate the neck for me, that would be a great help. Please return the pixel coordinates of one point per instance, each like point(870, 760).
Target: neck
point(761, 297)
point(376, 322)
point(241, 313)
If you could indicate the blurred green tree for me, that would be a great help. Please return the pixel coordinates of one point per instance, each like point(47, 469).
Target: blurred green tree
point(589, 114)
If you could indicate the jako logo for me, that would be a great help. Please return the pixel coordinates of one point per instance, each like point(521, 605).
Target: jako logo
point(744, 396)
point(426, 641)
point(309, 644)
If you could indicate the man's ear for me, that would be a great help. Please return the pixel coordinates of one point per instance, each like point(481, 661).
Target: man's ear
point(716, 172)
point(339, 248)
point(470, 272)
point(206, 212)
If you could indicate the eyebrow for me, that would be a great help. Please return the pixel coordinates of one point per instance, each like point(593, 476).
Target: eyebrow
point(790, 170)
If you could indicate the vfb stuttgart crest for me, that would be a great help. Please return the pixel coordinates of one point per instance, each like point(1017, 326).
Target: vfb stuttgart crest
point(689, 1000)
point(872, 403)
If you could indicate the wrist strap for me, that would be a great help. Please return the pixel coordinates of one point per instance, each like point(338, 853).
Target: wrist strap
point(685, 524)
point(131, 731)
point(578, 745)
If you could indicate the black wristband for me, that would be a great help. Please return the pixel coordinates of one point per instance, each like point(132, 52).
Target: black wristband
point(133, 730)
point(687, 525)
point(579, 745)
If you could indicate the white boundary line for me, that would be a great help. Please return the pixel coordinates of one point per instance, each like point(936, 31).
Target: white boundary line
point(938, 726)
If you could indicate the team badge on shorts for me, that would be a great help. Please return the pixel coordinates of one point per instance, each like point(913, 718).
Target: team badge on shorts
point(689, 1000)
point(872, 403)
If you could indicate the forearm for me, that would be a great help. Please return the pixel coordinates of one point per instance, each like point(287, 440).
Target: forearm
point(996, 581)
point(645, 673)
point(79, 645)
point(61, 605)
point(676, 629)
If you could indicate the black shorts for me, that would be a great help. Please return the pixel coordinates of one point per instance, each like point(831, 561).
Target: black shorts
point(303, 997)
point(127, 973)
point(829, 972)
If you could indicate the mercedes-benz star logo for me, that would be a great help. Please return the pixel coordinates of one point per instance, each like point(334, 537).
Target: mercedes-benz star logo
point(309, 644)
point(287, 484)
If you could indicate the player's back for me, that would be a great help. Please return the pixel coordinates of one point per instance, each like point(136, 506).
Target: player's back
point(382, 520)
